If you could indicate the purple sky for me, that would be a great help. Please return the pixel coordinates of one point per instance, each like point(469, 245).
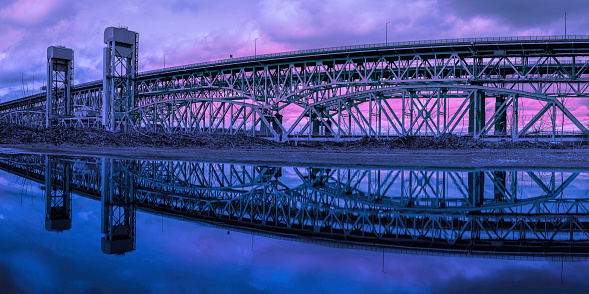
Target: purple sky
point(195, 31)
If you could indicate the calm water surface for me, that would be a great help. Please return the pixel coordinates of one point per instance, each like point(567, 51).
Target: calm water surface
point(98, 225)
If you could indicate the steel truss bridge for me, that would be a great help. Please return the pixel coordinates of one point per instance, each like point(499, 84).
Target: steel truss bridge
point(514, 87)
point(498, 214)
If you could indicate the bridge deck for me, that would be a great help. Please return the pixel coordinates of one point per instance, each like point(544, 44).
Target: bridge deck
point(485, 46)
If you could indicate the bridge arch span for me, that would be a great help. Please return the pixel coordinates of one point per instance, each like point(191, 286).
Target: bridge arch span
point(430, 109)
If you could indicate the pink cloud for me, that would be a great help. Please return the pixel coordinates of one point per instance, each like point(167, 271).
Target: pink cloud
point(29, 12)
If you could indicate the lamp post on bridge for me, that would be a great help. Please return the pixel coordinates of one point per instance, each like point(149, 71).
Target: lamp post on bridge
point(256, 47)
point(565, 24)
point(386, 26)
point(165, 61)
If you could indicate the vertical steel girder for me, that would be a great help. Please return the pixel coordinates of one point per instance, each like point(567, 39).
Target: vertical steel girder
point(120, 60)
point(60, 76)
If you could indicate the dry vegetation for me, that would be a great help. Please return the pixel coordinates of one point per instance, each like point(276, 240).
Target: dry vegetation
point(446, 141)
point(14, 134)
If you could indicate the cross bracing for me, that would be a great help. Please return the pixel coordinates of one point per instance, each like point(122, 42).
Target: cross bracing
point(507, 212)
point(60, 74)
point(506, 87)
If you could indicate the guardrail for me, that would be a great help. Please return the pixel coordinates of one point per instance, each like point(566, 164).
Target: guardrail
point(87, 84)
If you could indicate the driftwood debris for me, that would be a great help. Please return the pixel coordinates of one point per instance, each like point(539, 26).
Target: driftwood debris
point(15, 134)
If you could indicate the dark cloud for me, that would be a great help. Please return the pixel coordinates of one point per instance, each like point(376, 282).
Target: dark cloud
point(16, 76)
point(184, 5)
point(519, 279)
point(7, 3)
point(521, 13)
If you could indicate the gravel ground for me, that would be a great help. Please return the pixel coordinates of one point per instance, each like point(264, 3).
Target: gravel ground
point(447, 151)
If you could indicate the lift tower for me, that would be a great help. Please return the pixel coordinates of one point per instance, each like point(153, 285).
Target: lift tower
point(60, 75)
point(120, 75)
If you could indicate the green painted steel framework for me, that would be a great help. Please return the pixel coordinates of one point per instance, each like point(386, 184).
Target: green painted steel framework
point(495, 213)
point(514, 87)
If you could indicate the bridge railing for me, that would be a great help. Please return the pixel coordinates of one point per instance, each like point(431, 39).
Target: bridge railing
point(369, 46)
point(87, 84)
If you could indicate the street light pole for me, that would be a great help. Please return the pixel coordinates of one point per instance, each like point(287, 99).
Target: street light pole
point(565, 24)
point(387, 32)
point(165, 61)
point(256, 47)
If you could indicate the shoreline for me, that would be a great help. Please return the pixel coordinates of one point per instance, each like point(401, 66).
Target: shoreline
point(376, 158)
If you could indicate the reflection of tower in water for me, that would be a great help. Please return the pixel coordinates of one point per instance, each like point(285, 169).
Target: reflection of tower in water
point(118, 209)
point(58, 213)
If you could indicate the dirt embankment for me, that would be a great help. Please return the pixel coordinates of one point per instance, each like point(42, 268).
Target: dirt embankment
point(18, 135)
point(447, 151)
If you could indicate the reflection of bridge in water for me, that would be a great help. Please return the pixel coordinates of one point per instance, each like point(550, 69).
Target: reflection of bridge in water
point(499, 214)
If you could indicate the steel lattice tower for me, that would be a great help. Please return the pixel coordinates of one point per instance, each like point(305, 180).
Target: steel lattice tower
point(120, 75)
point(60, 75)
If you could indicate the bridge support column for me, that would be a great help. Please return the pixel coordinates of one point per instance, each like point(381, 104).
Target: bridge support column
point(500, 177)
point(275, 122)
point(515, 118)
point(501, 122)
point(120, 73)
point(58, 210)
point(276, 125)
point(60, 76)
point(318, 127)
point(476, 114)
point(328, 133)
point(315, 124)
point(408, 109)
point(444, 109)
point(476, 188)
point(118, 209)
point(269, 173)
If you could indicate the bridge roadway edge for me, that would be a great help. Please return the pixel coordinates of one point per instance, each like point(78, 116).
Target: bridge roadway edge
point(461, 159)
